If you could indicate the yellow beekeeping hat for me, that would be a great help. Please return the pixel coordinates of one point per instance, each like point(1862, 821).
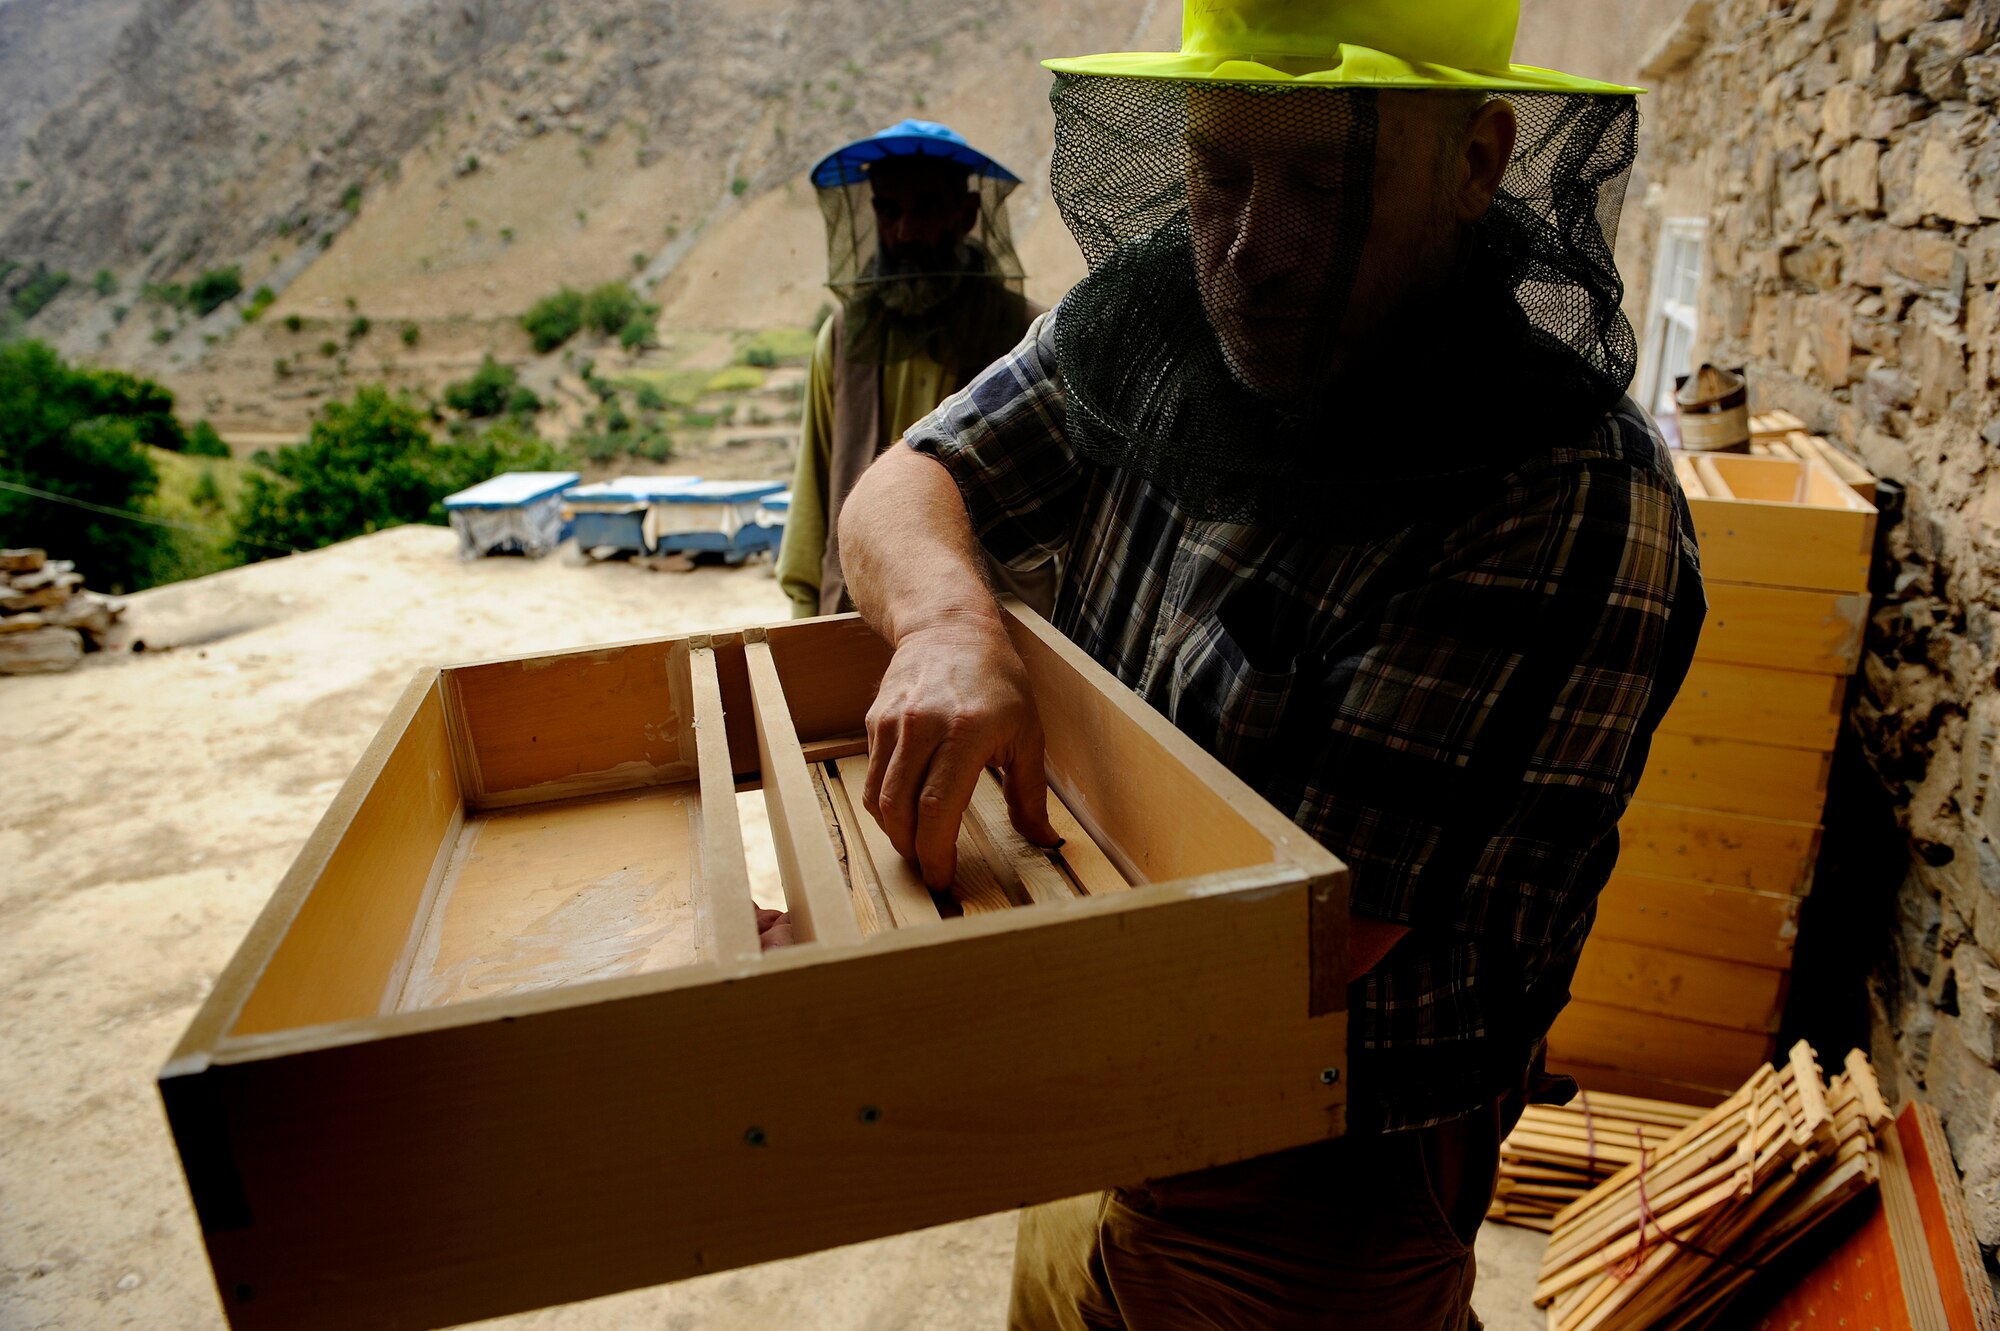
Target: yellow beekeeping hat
point(1451, 44)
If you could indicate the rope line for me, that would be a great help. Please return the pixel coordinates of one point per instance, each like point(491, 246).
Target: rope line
point(131, 516)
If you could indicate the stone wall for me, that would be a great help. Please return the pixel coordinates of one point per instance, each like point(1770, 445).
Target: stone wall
point(1846, 156)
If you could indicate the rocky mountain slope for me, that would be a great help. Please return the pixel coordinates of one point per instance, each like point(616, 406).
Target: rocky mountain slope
point(448, 161)
point(458, 157)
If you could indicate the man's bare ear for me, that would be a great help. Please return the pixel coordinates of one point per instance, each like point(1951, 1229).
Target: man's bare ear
point(1489, 146)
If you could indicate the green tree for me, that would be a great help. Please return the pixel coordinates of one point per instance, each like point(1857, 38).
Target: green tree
point(208, 292)
point(54, 438)
point(204, 442)
point(554, 320)
point(486, 393)
point(368, 464)
point(148, 406)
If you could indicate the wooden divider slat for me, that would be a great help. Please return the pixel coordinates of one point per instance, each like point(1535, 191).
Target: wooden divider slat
point(1019, 863)
point(815, 891)
point(864, 889)
point(903, 889)
point(725, 914)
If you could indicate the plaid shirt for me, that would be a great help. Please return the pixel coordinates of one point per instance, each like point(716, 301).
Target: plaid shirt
point(1459, 710)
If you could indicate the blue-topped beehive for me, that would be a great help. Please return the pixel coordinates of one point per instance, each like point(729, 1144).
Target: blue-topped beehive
point(610, 516)
point(721, 517)
point(514, 513)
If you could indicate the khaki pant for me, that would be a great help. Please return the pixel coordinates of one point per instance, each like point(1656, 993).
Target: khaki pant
point(1361, 1234)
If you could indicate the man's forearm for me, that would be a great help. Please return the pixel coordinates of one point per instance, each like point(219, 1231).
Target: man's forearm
point(908, 550)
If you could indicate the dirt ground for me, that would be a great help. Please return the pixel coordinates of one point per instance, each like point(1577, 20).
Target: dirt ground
point(151, 803)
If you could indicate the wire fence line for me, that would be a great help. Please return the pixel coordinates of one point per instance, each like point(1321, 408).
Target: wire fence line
point(151, 519)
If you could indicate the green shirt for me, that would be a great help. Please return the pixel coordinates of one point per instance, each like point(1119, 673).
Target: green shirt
point(910, 389)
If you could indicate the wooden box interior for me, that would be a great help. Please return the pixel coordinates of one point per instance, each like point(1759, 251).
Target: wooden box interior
point(539, 861)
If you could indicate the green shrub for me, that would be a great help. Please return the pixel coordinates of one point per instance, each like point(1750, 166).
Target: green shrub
point(204, 442)
point(294, 323)
point(163, 335)
point(738, 186)
point(260, 300)
point(206, 494)
point(42, 286)
point(616, 421)
point(650, 398)
point(486, 393)
point(282, 368)
point(554, 320)
point(761, 357)
point(655, 446)
point(350, 198)
point(164, 293)
point(523, 402)
point(358, 328)
point(608, 308)
point(55, 436)
point(368, 464)
point(639, 262)
point(637, 333)
point(106, 282)
point(601, 447)
point(208, 292)
point(329, 348)
point(411, 335)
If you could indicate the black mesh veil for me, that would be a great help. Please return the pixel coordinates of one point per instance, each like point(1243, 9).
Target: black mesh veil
point(895, 310)
point(1268, 336)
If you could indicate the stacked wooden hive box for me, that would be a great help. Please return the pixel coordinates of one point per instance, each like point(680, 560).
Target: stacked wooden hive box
point(1680, 989)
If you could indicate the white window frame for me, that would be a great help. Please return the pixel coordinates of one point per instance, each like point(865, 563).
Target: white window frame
point(1674, 306)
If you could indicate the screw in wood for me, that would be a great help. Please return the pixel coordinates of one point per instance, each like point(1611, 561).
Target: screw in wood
point(870, 1114)
point(1328, 1076)
point(756, 1137)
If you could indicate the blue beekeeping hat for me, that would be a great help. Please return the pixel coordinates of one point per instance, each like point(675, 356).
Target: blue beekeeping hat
point(909, 138)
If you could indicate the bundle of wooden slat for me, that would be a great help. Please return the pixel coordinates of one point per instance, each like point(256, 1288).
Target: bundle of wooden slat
point(1557, 1153)
point(1665, 1243)
point(47, 619)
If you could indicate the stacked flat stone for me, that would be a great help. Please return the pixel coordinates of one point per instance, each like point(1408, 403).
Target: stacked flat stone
point(48, 619)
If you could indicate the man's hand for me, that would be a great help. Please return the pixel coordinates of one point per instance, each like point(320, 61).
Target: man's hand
point(953, 702)
point(774, 928)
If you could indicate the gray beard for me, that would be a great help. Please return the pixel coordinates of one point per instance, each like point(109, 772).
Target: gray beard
point(911, 296)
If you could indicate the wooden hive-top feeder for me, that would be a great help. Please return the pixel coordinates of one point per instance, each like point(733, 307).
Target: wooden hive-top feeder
point(504, 1037)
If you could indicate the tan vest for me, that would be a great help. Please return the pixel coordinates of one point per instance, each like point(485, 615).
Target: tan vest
point(860, 436)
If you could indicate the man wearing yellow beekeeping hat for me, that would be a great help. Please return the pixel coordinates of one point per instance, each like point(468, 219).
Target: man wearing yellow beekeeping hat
point(1334, 447)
